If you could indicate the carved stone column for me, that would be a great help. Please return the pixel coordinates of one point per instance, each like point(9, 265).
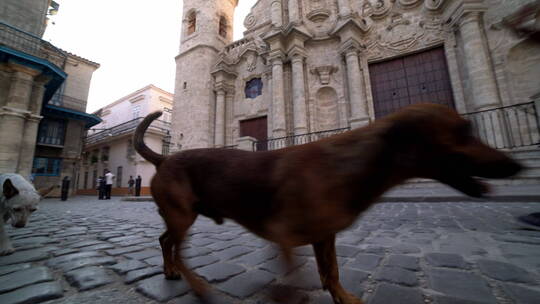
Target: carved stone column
point(278, 96)
point(294, 14)
point(483, 85)
point(276, 13)
point(28, 145)
point(357, 97)
point(299, 94)
point(11, 131)
point(344, 8)
point(219, 132)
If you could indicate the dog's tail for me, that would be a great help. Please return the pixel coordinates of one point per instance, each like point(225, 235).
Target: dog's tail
point(138, 140)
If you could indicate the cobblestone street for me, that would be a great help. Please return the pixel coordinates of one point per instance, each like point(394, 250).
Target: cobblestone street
point(90, 251)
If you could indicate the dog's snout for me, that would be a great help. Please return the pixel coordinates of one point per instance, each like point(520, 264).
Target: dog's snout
point(19, 224)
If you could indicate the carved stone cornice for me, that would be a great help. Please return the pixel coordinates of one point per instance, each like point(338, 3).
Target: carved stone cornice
point(324, 72)
point(462, 9)
point(276, 56)
point(350, 46)
point(352, 27)
point(297, 53)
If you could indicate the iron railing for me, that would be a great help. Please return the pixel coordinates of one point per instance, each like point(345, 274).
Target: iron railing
point(502, 128)
point(507, 127)
point(124, 128)
point(16, 39)
point(286, 141)
point(68, 102)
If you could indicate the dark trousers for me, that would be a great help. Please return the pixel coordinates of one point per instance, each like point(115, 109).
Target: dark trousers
point(101, 192)
point(108, 191)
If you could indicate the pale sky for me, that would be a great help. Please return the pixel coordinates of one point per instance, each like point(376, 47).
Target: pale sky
point(135, 41)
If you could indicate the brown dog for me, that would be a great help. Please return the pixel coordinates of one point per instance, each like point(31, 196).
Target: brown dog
point(335, 179)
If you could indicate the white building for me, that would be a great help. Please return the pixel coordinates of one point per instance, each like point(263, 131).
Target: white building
point(109, 144)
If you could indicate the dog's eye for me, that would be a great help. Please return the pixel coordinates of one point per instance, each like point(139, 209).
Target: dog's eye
point(18, 209)
point(33, 209)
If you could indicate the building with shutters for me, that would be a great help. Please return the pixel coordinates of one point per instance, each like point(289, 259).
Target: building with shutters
point(307, 68)
point(109, 144)
point(43, 96)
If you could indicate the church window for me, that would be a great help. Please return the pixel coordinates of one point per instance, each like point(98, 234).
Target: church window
point(192, 23)
point(254, 88)
point(223, 27)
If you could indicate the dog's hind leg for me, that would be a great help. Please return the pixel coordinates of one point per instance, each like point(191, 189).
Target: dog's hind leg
point(167, 249)
point(325, 253)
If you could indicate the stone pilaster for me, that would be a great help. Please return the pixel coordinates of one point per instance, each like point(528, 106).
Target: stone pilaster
point(294, 13)
point(278, 96)
point(299, 94)
point(20, 87)
point(28, 145)
point(11, 131)
point(219, 133)
point(481, 75)
point(357, 97)
point(276, 13)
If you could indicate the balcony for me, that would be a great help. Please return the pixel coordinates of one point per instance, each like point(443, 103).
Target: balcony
point(68, 102)
point(126, 128)
point(18, 40)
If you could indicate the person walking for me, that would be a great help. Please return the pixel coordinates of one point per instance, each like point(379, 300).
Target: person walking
point(65, 188)
point(109, 179)
point(131, 184)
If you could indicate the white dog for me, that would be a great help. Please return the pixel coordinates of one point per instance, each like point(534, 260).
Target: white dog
point(17, 201)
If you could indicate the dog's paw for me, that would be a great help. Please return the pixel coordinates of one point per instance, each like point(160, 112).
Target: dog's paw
point(6, 250)
point(348, 298)
point(172, 274)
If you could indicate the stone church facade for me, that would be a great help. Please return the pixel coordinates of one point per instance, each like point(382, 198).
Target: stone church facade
point(314, 65)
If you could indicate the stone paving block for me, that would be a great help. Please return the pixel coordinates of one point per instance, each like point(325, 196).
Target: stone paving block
point(219, 271)
point(32, 241)
point(374, 249)
point(133, 242)
point(85, 262)
point(65, 251)
point(191, 299)
point(71, 257)
point(161, 289)
point(195, 251)
point(101, 246)
point(224, 237)
point(346, 251)
point(304, 251)
point(141, 255)
point(449, 260)
point(306, 278)
point(109, 235)
point(12, 268)
point(24, 257)
point(33, 294)
point(88, 278)
point(201, 241)
point(232, 252)
point(366, 262)
point(276, 266)
point(197, 262)
point(257, 257)
point(219, 245)
point(123, 250)
point(404, 261)
point(247, 283)
point(139, 274)
point(405, 249)
point(460, 284)
point(396, 275)
point(85, 243)
point(393, 294)
point(522, 295)
point(124, 238)
point(352, 279)
point(128, 265)
point(24, 277)
point(155, 261)
point(504, 271)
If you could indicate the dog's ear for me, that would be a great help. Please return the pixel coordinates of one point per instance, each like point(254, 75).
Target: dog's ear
point(9, 190)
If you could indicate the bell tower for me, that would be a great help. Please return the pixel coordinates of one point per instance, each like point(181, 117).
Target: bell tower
point(207, 26)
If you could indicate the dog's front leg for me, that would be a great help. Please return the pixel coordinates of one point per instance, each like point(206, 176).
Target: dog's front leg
point(5, 244)
point(325, 253)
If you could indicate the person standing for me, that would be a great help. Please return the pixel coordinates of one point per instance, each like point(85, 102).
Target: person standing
point(138, 182)
point(65, 188)
point(101, 187)
point(131, 183)
point(109, 179)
